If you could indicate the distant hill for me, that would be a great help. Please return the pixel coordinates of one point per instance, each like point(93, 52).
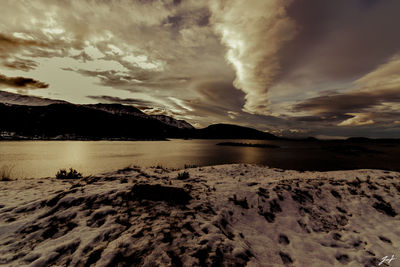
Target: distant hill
point(230, 131)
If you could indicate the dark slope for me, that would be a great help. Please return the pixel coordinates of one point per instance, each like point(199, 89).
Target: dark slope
point(117, 109)
point(80, 121)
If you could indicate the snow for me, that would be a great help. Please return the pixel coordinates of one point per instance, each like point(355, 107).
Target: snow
point(181, 124)
point(223, 215)
point(17, 99)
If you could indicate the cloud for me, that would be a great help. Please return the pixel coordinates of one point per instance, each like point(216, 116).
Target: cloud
point(374, 98)
point(126, 101)
point(253, 32)
point(8, 42)
point(21, 83)
point(348, 102)
point(358, 119)
point(218, 101)
point(158, 48)
point(10, 47)
point(282, 48)
point(340, 39)
point(354, 108)
point(220, 93)
point(20, 64)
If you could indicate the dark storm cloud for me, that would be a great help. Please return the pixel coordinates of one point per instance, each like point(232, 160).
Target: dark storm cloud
point(348, 102)
point(21, 83)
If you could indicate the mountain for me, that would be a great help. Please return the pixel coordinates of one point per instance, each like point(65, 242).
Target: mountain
point(230, 131)
point(17, 99)
point(117, 109)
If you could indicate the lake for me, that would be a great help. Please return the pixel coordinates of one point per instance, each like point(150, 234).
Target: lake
point(32, 159)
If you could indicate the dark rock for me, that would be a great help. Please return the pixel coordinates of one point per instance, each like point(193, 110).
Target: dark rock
point(343, 258)
point(283, 239)
point(274, 206)
point(171, 195)
point(286, 259)
point(302, 196)
point(385, 208)
point(270, 217)
point(336, 194)
point(384, 239)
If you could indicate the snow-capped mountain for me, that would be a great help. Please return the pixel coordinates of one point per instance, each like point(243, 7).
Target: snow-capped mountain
point(25, 100)
point(116, 109)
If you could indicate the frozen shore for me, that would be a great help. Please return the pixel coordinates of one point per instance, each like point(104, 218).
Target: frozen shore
point(220, 215)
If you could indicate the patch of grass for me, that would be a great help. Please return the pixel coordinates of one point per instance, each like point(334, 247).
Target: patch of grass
point(183, 175)
point(71, 174)
point(159, 167)
point(5, 173)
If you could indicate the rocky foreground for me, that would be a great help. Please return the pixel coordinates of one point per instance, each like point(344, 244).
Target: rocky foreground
point(229, 215)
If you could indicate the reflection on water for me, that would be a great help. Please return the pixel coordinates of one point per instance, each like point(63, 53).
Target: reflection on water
point(44, 158)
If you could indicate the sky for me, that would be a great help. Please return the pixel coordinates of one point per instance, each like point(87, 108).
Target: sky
point(295, 68)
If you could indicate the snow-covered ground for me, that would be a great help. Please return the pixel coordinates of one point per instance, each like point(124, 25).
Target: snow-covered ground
point(220, 215)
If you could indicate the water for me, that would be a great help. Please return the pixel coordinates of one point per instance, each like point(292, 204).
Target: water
point(32, 159)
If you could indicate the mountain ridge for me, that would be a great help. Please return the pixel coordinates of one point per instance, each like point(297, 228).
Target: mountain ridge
point(53, 119)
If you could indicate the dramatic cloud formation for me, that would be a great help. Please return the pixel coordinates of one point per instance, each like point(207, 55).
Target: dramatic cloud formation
point(254, 32)
point(291, 67)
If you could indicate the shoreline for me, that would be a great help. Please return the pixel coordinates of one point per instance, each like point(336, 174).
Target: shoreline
point(225, 214)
